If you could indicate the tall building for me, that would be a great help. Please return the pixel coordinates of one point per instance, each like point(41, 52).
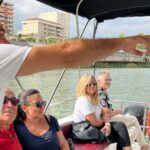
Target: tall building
point(59, 17)
point(41, 28)
point(6, 16)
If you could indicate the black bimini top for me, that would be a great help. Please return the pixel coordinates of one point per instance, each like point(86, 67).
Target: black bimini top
point(103, 9)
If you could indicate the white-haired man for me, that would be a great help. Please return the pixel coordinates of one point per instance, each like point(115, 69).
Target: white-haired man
point(134, 129)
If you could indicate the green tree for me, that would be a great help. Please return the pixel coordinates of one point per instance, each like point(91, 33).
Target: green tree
point(122, 35)
point(19, 36)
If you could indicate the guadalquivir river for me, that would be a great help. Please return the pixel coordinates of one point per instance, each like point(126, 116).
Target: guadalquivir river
point(127, 84)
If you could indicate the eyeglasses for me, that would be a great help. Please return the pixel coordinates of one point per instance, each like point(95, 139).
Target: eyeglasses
point(108, 80)
point(90, 84)
point(14, 101)
point(39, 104)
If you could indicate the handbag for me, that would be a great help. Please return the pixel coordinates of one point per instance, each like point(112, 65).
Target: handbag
point(84, 132)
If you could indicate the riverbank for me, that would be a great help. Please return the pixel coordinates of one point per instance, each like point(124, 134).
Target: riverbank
point(121, 65)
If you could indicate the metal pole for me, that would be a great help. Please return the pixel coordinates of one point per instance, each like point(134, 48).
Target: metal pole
point(62, 74)
point(77, 20)
point(95, 28)
point(19, 84)
point(94, 33)
point(84, 28)
point(77, 24)
point(81, 36)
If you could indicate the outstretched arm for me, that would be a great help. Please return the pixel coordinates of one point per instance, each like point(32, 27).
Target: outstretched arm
point(75, 53)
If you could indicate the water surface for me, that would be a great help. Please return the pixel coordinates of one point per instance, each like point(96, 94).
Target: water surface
point(127, 84)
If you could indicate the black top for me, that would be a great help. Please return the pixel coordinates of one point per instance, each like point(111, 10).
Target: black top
point(47, 141)
point(103, 9)
point(104, 99)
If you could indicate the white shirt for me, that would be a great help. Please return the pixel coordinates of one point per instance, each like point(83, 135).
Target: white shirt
point(83, 107)
point(11, 59)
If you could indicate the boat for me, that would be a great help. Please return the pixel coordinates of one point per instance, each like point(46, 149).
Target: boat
point(100, 10)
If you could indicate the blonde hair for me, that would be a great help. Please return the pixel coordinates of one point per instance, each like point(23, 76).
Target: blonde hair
point(81, 89)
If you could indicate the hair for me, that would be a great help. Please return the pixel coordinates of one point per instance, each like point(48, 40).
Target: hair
point(100, 74)
point(1, 2)
point(24, 99)
point(9, 92)
point(81, 89)
point(24, 95)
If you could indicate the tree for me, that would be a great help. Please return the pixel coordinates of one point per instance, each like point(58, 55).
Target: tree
point(122, 35)
point(19, 36)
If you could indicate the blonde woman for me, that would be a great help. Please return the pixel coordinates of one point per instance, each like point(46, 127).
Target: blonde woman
point(88, 108)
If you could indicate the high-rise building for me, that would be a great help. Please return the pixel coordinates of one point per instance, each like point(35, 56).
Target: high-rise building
point(6, 16)
point(59, 17)
point(41, 28)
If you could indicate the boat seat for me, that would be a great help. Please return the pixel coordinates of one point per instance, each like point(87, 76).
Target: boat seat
point(67, 128)
point(90, 146)
point(137, 111)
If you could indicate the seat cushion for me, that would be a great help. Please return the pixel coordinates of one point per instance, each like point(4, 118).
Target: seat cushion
point(89, 146)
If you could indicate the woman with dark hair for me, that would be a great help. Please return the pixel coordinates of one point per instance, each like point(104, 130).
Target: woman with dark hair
point(36, 131)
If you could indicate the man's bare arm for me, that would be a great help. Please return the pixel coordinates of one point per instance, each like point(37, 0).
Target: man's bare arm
point(75, 53)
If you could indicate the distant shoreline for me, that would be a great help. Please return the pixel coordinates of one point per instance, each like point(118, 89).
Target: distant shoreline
point(120, 65)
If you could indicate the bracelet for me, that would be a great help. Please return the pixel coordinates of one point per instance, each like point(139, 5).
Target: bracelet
point(107, 123)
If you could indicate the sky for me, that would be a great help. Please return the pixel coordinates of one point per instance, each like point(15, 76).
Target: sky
point(110, 28)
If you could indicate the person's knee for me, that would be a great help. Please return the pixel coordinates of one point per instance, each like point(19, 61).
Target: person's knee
point(133, 118)
point(120, 125)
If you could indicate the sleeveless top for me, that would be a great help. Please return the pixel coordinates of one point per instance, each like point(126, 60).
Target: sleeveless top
point(47, 141)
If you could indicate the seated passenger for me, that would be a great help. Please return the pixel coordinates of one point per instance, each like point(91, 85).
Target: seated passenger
point(134, 129)
point(36, 131)
point(8, 137)
point(88, 108)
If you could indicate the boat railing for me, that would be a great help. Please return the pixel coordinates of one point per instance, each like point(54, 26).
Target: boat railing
point(122, 104)
point(61, 102)
point(146, 106)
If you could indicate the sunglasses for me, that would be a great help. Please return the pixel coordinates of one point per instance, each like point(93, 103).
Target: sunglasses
point(14, 101)
point(39, 104)
point(90, 84)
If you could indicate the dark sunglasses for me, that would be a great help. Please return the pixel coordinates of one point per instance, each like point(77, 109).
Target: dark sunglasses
point(14, 101)
point(38, 104)
point(90, 84)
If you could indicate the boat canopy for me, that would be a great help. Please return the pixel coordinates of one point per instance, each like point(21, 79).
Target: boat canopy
point(103, 9)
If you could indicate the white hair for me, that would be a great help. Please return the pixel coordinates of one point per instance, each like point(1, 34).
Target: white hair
point(100, 74)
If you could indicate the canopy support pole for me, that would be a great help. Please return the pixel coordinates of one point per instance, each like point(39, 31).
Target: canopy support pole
point(84, 28)
point(55, 89)
point(17, 80)
point(94, 33)
point(77, 19)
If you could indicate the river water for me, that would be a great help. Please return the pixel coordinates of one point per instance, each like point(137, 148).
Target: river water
point(127, 84)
